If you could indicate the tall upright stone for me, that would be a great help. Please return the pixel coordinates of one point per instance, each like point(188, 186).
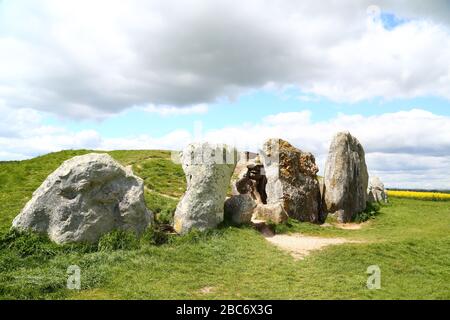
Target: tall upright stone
point(292, 180)
point(86, 197)
point(208, 169)
point(346, 177)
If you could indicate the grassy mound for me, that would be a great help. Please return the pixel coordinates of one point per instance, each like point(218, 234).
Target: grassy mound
point(409, 240)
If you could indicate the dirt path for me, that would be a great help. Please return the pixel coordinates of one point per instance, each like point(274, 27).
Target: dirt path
point(345, 226)
point(349, 226)
point(299, 246)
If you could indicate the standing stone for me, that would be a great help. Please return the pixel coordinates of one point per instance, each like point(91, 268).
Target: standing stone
point(239, 209)
point(86, 197)
point(208, 169)
point(292, 180)
point(346, 177)
point(376, 191)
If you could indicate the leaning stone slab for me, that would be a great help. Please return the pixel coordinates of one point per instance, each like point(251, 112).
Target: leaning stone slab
point(86, 197)
point(208, 169)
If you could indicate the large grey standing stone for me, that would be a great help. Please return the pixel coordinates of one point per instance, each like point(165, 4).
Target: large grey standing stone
point(208, 169)
point(239, 209)
point(346, 177)
point(86, 197)
point(292, 180)
point(376, 191)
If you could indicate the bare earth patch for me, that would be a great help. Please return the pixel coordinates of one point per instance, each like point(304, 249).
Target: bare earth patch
point(349, 226)
point(206, 290)
point(299, 246)
point(345, 226)
point(326, 225)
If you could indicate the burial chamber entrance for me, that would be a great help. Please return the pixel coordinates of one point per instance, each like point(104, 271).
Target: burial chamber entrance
point(254, 180)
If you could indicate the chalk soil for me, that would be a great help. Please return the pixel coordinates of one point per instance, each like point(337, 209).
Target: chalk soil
point(299, 246)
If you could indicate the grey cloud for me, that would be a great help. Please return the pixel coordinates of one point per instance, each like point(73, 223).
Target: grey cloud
point(93, 59)
point(437, 10)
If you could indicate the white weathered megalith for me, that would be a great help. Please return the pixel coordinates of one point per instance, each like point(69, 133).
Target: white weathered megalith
point(208, 170)
point(346, 178)
point(376, 191)
point(86, 197)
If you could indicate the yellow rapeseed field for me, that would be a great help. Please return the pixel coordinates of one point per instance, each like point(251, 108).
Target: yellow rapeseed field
point(436, 196)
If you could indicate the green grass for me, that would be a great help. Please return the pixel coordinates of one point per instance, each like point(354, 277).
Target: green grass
point(409, 240)
point(18, 179)
point(162, 176)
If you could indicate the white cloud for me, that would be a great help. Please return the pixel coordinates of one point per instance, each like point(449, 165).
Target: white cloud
point(24, 138)
point(91, 59)
point(406, 149)
point(12, 122)
point(409, 61)
point(409, 149)
point(174, 140)
point(288, 118)
point(174, 111)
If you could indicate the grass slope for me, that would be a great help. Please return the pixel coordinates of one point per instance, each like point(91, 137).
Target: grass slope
point(19, 179)
point(409, 240)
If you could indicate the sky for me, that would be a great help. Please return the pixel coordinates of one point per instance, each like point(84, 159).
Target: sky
point(108, 75)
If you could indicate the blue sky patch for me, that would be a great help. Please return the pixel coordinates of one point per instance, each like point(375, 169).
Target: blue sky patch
point(390, 20)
